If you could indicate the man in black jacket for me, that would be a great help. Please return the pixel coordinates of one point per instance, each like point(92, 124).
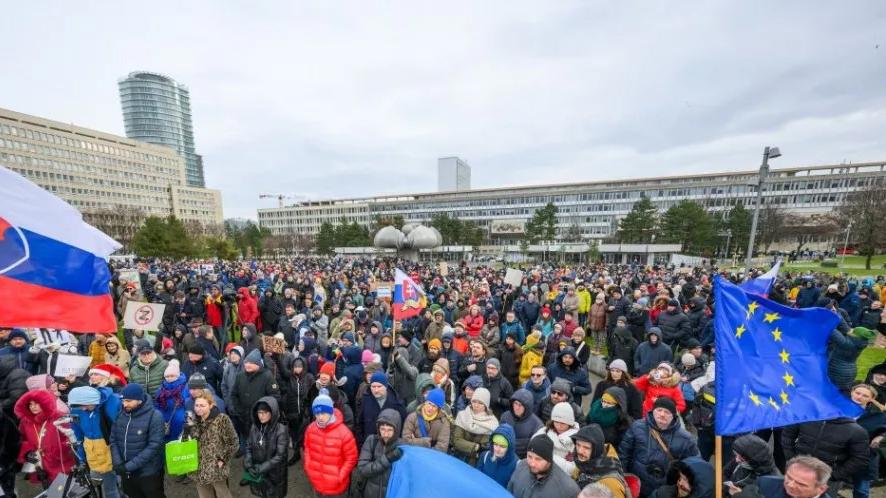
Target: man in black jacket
point(674, 325)
point(252, 383)
point(840, 443)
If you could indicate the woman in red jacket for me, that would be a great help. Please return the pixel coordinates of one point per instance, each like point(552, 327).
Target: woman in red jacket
point(247, 308)
point(41, 440)
point(662, 382)
point(474, 321)
point(330, 451)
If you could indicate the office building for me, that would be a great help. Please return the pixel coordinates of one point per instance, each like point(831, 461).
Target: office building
point(590, 210)
point(114, 181)
point(453, 175)
point(157, 110)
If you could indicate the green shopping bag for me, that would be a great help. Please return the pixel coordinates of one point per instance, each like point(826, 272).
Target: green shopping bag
point(182, 457)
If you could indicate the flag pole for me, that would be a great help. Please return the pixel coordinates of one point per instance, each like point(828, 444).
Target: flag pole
point(718, 466)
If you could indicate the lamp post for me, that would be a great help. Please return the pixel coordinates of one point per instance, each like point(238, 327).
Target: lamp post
point(845, 245)
point(768, 153)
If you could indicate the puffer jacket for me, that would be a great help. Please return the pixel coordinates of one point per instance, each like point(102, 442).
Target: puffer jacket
point(473, 324)
point(843, 353)
point(597, 317)
point(675, 327)
point(93, 429)
point(217, 442)
point(639, 451)
point(696, 315)
point(267, 447)
point(563, 445)
point(524, 426)
point(373, 467)
point(330, 455)
point(353, 371)
point(41, 435)
point(12, 383)
point(500, 469)
point(576, 374)
point(149, 376)
point(137, 440)
point(669, 388)
point(840, 443)
point(649, 355)
point(295, 396)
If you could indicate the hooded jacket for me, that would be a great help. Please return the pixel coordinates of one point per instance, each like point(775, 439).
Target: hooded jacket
point(267, 449)
point(576, 374)
point(93, 429)
point(373, 467)
point(623, 345)
point(538, 393)
point(229, 375)
point(525, 426)
point(640, 453)
point(249, 388)
point(353, 371)
point(669, 387)
point(613, 421)
point(12, 383)
point(649, 355)
point(39, 434)
point(675, 327)
point(137, 440)
point(370, 410)
point(843, 353)
point(603, 466)
point(122, 359)
point(434, 434)
point(758, 461)
point(634, 405)
point(547, 406)
point(840, 443)
point(247, 308)
point(500, 469)
point(295, 397)
point(330, 455)
point(698, 472)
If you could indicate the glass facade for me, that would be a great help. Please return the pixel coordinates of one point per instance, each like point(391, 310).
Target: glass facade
point(157, 110)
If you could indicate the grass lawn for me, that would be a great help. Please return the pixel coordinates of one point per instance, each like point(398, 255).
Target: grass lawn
point(853, 265)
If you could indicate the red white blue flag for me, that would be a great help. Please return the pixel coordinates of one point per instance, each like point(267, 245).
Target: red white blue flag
point(53, 265)
point(409, 297)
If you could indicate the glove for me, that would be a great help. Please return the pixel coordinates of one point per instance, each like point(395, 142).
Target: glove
point(393, 453)
point(120, 469)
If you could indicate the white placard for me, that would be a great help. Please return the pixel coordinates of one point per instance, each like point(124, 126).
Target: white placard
point(514, 277)
point(143, 316)
point(383, 293)
point(69, 364)
point(132, 276)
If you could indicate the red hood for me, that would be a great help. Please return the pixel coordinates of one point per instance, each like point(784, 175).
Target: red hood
point(44, 398)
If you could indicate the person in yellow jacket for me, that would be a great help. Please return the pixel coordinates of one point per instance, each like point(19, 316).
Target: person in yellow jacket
point(533, 355)
point(584, 303)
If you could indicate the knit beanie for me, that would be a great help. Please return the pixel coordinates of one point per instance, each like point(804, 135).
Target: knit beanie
point(236, 349)
point(328, 368)
point(84, 396)
point(197, 381)
point(322, 403)
point(18, 333)
point(173, 369)
point(500, 440)
point(562, 412)
point(666, 403)
point(608, 398)
point(436, 397)
point(482, 394)
point(494, 362)
point(619, 364)
point(348, 336)
point(131, 391)
point(542, 447)
point(197, 349)
point(688, 360)
point(435, 343)
point(254, 357)
point(379, 377)
point(366, 357)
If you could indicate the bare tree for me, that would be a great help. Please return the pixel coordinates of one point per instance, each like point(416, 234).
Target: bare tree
point(121, 224)
point(863, 210)
point(770, 226)
point(804, 229)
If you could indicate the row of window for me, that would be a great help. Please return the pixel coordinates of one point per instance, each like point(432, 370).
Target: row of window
point(145, 182)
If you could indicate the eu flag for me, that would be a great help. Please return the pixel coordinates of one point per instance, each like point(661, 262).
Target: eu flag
point(772, 363)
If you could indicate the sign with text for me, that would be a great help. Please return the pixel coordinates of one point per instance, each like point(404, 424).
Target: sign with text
point(514, 277)
point(131, 276)
point(69, 364)
point(143, 316)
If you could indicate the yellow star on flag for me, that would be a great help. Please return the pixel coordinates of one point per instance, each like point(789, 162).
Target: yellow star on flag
point(784, 398)
point(785, 356)
point(771, 317)
point(739, 331)
point(755, 398)
point(788, 379)
point(773, 404)
point(752, 308)
point(776, 334)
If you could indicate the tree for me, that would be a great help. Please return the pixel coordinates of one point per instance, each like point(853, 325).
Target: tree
point(739, 223)
point(593, 253)
point(326, 239)
point(804, 229)
point(688, 224)
point(543, 225)
point(457, 232)
point(769, 226)
point(121, 224)
point(395, 221)
point(861, 214)
point(640, 225)
point(163, 238)
point(247, 237)
point(573, 233)
point(219, 247)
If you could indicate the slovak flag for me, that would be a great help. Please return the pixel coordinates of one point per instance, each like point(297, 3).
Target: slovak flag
point(409, 297)
point(53, 265)
point(762, 284)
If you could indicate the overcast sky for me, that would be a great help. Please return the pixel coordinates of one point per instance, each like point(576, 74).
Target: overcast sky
point(338, 99)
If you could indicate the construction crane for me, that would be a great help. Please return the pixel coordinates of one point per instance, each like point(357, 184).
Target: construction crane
point(280, 197)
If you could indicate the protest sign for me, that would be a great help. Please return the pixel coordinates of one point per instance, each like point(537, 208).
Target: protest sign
point(131, 276)
point(271, 344)
point(514, 277)
point(143, 316)
point(69, 364)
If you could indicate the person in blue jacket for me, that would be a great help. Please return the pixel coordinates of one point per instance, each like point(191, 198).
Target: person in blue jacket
point(500, 460)
point(137, 445)
point(172, 398)
point(93, 413)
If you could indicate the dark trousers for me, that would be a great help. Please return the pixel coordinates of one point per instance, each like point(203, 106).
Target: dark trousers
point(144, 486)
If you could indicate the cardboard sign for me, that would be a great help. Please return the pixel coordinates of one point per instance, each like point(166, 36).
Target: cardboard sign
point(143, 316)
point(271, 344)
point(69, 364)
point(444, 268)
point(514, 277)
point(132, 276)
point(384, 293)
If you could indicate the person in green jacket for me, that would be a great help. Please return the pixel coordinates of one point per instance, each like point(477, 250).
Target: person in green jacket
point(148, 369)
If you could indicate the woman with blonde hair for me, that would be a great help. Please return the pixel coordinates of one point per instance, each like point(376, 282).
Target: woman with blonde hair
point(216, 441)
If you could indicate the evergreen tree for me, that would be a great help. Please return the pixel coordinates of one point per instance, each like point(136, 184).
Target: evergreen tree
point(739, 223)
point(543, 225)
point(640, 224)
point(688, 224)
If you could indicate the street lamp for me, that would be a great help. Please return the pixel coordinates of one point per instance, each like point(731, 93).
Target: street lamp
point(845, 245)
point(768, 153)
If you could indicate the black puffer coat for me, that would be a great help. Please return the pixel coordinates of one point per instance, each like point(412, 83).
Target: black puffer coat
point(675, 327)
point(696, 315)
point(267, 449)
point(840, 443)
point(12, 383)
point(373, 468)
point(527, 425)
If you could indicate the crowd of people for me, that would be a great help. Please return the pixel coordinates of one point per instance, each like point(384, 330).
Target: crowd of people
point(277, 363)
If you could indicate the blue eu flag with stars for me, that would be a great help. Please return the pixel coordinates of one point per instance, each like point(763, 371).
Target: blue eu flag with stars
point(772, 363)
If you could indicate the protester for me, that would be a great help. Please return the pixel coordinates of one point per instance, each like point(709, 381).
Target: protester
point(688, 478)
point(560, 429)
point(428, 426)
point(597, 462)
point(330, 451)
point(217, 442)
point(378, 455)
point(148, 369)
point(137, 445)
point(500, 460)
point(751, 460)
point(473, 425)
point(42, 442)
point(523, 422)
point(538, 477)
point(171, 399)
point(617, 376)
point(610, 413)
point(93, 415)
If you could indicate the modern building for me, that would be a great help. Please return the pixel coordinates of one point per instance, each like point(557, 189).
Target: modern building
point(590, 211)
point(157, 110)
point(114, 181)
point(453, 175)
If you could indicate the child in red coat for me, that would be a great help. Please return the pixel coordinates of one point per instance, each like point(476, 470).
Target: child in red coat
point(41, 440)
point(662, 382)
point(330, 451)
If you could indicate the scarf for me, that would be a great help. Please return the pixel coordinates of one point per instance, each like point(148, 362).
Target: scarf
point(171, 391)
point(483, 423)
point(424, 422)
point(606, 417)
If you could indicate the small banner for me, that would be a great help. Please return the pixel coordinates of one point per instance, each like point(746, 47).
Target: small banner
point(143, 316)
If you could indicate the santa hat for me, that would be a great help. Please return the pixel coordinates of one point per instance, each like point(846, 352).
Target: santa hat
point(108, 370)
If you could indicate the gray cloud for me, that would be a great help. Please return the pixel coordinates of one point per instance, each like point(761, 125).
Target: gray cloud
point(344, 99)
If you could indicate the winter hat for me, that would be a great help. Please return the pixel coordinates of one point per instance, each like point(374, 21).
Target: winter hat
point(328, 368)
point(546, 309)
point(619, 364)
point(173, 369)
point(197, 381)
point(666, 403)
point(254, 357)
point(84, 396)
point(348, 336)
point(407, 334)
point(435, 343)
point(482, 394)
point(236, 349)
point(674, 302)
point(622, 319)
point(542, 447)
point(132, 391)
point(436, 397)
point(494, 362)
point(443, 363)
point(99, 370)
point(280, 337)
point(643, 301)
point(863, 333)
point(608, 398)
point(142, 346)
point(110, 371)
point(322, 403)
point(230, 347)
point(379, 377)
point(366, 357)
point(533, 339)
point(688, 360)
point(500, 440)
point(41, 381)
point(562, 412)
point(197, 349)
point(666, 366)
point(18, 333)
